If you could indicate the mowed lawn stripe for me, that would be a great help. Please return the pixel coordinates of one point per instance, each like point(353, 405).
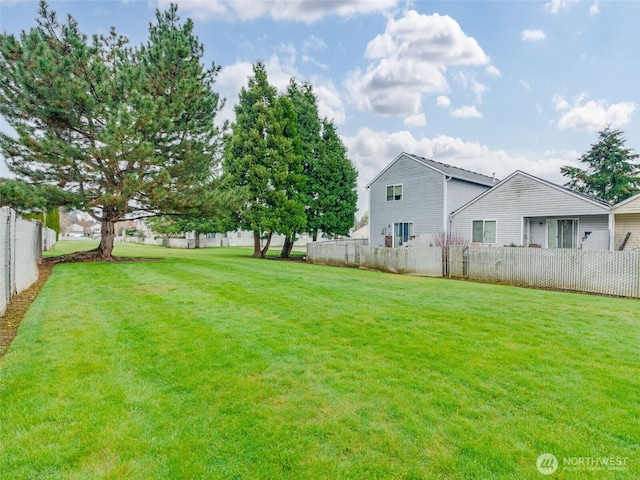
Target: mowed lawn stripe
point(210, 364)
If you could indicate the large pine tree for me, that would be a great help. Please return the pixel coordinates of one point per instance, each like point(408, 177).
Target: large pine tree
point(107, 128)
point(610, 173)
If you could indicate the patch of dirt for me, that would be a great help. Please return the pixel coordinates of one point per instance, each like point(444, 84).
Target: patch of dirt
point(10, 321)
point(92, 256)
point(292, 258)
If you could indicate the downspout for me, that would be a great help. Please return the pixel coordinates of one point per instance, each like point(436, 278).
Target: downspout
point(612, 229)
point(445, 207)
point(369, 211)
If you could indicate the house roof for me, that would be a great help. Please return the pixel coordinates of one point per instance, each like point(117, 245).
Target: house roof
point(445, 169)
point(626, 201)
point(590, 198)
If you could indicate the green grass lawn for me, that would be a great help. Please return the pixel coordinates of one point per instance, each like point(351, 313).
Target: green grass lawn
point(212, 365)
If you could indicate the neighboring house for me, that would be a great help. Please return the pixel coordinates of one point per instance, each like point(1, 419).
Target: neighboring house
point(414, 196)
point(528, 211)
point(74, 230)
point(627, 218)
point(362, 232)
point(95, 229)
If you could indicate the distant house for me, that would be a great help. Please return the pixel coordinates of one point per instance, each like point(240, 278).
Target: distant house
point(74, 230)
point(83, 228)
point(627, 219)
point(414, 196)
point(362, 232)
point(525, 210)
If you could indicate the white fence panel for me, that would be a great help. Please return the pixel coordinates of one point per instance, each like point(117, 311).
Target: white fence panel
point(413, 261)
point(49, 238)
point(332, 253)
point(27, 253)
point(425, 261)
point(21, 243)
point(591, 271)
point(6, 219)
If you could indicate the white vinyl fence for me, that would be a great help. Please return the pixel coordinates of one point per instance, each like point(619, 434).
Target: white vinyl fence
point(21, 245)
point(355, 253)
point(591, 271)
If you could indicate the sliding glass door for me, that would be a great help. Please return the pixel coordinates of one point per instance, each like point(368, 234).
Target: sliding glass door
point(562, 233)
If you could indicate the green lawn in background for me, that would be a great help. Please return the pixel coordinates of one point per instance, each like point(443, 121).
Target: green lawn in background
point(209, 364)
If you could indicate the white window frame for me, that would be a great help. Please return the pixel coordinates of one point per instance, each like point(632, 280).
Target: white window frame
point(386, 196)
point(484, 221)
point(397, 242)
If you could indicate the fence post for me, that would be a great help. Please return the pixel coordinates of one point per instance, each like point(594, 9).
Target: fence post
point(445, 261)
point(12, 252)
point(7, 257)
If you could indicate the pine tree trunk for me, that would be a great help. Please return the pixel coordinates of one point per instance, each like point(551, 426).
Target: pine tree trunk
point(257, 250)
point(108, 232)
point(197, 242)
point(315, 234)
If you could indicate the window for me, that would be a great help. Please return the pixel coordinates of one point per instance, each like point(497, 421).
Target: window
point(403, 232)
point(484, 231)
point(394, 193)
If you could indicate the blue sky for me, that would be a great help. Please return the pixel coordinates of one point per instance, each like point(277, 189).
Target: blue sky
point(491, 86)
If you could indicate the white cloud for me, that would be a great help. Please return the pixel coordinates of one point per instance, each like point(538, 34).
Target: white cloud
point(313, 61)
point(234, 77)
point(314, 44)
point(594, 9)
point(372, 151)
point(468, 111)
point(417, 120)
point(524, 84)
point(470, 84)
point(557, 6)
point(560, 103)
point(330, 102)
point(295, 10)
point(229, 83)
point(411, 59)
point(532, 35)
point(493, 71)
point(443, 101)
point(592, 115)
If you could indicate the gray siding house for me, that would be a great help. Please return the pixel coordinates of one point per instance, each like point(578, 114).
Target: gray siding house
point(414, 196)
point(527, 211)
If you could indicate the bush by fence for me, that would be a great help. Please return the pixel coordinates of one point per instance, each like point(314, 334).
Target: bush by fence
point(21, 245)
point(592, 271)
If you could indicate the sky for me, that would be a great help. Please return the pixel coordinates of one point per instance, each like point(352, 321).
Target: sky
point(490, 86)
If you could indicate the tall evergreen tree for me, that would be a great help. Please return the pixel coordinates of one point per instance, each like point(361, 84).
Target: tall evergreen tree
point(262, 157)
point(335, 181)
point(305, 104)
point(108, 128)
point(610, 173)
